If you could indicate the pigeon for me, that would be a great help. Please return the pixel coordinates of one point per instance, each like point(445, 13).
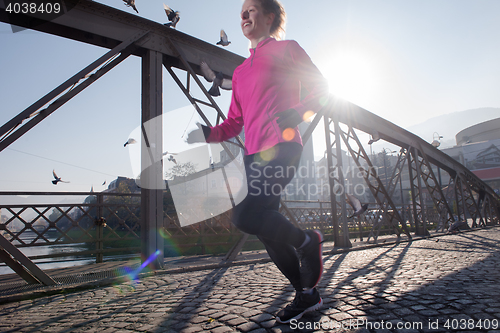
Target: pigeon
point(172, 159)
point(374, 138)
point(103, 183)
point(129, 142)
point(131, 3)
point(223, 39)
point(57, 179)
point(356, 205)
point(458, 226)
point(217, 79)
point(173, 16)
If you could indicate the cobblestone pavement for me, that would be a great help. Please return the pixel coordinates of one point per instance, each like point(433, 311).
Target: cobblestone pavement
point(444, 284)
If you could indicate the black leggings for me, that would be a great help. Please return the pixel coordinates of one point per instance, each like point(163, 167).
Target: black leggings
point(258, 214)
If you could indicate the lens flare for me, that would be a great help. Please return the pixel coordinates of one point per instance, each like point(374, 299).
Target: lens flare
point(268, 154)
point(133, 274)
point(307, 115)
point(323, 100)
point(288, 134)
point(171, 249)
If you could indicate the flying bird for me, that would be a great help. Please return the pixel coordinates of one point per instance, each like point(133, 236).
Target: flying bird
point(223, 39)
point(173, 16)
point(217, 79)
point(356, 205)
point(131, 3)
point(166, 153)
point(129, 142)
point(57, 179)
point(103, 183)
point(172, 159)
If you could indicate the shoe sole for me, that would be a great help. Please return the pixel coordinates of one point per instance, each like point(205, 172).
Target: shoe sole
point(315, 307)
point(320, 236)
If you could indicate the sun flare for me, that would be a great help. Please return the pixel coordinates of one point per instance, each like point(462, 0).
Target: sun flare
point(352, 76)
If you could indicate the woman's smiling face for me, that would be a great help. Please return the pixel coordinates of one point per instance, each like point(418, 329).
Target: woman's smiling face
point(255, 24)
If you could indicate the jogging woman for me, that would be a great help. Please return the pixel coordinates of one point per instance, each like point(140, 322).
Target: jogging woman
point(266, 100)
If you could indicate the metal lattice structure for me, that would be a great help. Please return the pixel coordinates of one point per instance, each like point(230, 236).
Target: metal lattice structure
point(161, 47)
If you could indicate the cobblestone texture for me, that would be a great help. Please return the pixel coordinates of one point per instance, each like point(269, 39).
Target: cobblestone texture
point(409, 287)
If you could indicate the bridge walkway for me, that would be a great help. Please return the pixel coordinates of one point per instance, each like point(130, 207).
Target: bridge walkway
point(438, 284)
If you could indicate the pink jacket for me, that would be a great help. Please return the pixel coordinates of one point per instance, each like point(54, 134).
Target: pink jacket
point(268, 82)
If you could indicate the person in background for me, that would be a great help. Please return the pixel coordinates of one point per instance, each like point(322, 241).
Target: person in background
point(266, 100)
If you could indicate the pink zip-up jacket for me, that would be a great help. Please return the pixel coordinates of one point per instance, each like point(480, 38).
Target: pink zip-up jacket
point(268, 82)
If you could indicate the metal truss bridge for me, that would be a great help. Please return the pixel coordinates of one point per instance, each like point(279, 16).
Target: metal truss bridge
point(464, 198)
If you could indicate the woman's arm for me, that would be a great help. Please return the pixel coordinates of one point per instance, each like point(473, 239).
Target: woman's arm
point(233, 124)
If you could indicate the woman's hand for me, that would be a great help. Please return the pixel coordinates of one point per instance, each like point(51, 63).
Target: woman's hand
point(200, 134)
point(288, 119)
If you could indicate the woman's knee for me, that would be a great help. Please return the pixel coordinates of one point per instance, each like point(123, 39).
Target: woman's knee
point(246, 220)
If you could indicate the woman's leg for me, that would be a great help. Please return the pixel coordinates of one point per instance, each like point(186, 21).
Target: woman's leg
point(258, 214)
point(285, 258)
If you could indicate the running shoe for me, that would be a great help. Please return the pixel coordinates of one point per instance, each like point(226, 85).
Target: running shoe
point(311, 260)
point(302, 303)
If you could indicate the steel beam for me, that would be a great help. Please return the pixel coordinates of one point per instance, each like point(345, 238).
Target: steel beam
point(152, 184)
point(344, 241)
point(359, 118)
point(97, 24)
point(373, 182)
point(434, 188)
point(22, 265)
point(331, 182)
point(31, 116)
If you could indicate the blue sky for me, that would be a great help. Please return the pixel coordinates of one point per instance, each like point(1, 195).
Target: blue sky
point(405, 61)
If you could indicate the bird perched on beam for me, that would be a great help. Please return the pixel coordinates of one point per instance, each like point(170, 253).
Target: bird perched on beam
point(356, 205)
point(374, 137)
point(131, 3)
point(223, 39)
point(56, 178)
point(173, 16)
point(217, 79)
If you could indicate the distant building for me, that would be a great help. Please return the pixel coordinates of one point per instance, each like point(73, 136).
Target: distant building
point(478, 148)
point(485, 131)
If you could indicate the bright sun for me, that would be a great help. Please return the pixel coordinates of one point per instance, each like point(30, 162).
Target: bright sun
point(352, 76)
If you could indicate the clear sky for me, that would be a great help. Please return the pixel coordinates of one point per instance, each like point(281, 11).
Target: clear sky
point(406, 61)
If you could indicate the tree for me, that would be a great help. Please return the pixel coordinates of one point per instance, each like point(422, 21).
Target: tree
point(181, 170)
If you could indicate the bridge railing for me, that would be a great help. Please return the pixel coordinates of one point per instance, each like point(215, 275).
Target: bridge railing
point(81, 225)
